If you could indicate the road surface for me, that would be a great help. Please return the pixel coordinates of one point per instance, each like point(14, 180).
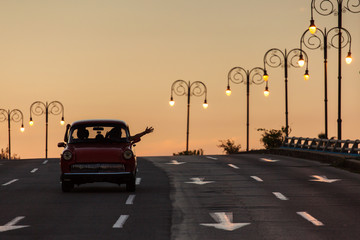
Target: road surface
point(245, 196)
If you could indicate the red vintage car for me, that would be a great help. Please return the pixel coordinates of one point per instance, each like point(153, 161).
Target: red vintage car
point(98, 151)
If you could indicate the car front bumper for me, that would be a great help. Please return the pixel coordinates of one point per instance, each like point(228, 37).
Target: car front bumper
point(113, 177)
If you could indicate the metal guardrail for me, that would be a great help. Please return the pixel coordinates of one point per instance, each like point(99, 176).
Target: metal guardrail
point(325, 145)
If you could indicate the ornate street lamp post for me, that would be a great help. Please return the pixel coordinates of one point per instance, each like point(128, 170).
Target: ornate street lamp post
point(326, 8)
point(14, 115)
point(238, 75)
point(323, 39)
point(39, 108)
point(275, 58)
point(181, 88)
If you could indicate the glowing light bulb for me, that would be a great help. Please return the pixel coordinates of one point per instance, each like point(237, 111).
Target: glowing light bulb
point(266, 92)
point(306, 75)
point(312, 27)
point(265, 76)
point(22, 129)
point(348, 58)
point(205, 104)
point(172, 103)
point(31, 122)
point(228, 91)
point(301, 61)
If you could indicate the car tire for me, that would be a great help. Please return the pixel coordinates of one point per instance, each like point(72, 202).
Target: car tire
point(67, 186)
point(131, 185)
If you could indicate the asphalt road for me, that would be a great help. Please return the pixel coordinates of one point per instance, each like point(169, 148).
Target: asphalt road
point(31, 197)
point(261, 197)
point(246, 196)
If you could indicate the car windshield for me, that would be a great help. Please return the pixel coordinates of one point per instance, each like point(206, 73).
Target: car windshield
point(98, 134)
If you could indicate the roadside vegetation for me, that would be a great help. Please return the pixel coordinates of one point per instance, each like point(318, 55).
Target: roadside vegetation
point(229, 146)
point(194, 152)
point(272, 138)
point(4, 154)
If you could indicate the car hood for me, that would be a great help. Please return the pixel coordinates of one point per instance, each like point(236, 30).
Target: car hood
point(104, 154)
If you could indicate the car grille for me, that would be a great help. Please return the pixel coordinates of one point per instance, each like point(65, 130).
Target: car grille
point(97, 167)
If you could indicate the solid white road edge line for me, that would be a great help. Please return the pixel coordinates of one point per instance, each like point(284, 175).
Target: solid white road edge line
point(280, 196)
point(10, 182)
point(130, 200)
point(310, 219)
point(233, 166)
point(121, 221)
point(257, 178)
point(34, 170)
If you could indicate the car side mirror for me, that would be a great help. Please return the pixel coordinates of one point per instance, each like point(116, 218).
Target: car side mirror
point(61, 144)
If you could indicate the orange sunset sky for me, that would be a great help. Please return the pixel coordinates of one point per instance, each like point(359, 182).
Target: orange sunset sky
point(117, 59)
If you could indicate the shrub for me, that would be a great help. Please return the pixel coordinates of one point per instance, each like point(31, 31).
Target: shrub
point(229, 146)
point(272, 138)
point(195, 152)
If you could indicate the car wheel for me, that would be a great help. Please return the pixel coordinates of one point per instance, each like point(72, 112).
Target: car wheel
point(67, 186)
point(131, 185)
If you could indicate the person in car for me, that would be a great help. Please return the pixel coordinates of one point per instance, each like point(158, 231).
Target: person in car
point(115, 134)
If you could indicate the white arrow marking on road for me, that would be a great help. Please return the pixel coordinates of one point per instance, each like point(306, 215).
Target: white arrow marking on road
point(225, 221)
point(199, 181)
point(323, 179)
point(121, 221)
point(10, 225)
point(268, 160)
point(175, 162)
point(10, 182)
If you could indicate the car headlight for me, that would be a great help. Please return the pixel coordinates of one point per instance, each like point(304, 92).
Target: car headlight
point(67, 155)
point(128, 154)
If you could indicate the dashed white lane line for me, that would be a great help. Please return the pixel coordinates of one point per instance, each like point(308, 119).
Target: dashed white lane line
point(34, 170)
point(211, 158)
point(10, 182)
point(233, 166)
point(130, 200)
point(257, 178)
point(280, 196)
point(121, 221)
point(310, 219)
point(45, 162)
point(138, 181)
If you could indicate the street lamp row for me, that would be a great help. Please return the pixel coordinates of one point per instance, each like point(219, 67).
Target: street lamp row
point(37, 108)
point(14, 115)
point(181, 88)
point(326, 8)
